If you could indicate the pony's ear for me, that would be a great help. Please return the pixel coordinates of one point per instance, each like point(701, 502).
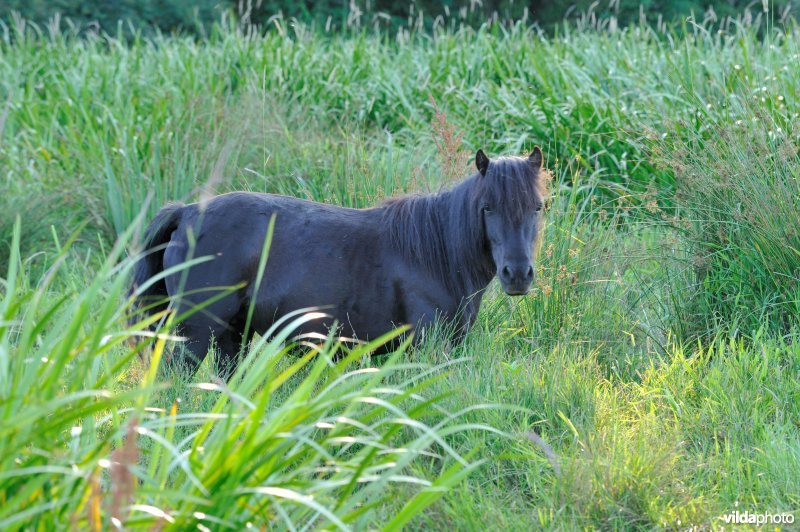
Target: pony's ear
point(535, 157)
point(482, 162)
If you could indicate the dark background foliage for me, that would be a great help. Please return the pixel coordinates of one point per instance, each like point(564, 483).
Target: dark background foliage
point(192, 16)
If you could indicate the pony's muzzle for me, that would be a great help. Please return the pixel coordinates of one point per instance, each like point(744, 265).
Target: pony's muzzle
point(516, 279)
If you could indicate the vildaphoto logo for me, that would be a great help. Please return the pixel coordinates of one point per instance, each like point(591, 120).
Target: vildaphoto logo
point(756, 518)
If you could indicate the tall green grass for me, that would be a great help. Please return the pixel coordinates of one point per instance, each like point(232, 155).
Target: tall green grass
point(163, 116)
point(739, 203)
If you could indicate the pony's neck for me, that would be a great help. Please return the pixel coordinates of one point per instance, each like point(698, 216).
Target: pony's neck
point(471, 255)
point(443, 234)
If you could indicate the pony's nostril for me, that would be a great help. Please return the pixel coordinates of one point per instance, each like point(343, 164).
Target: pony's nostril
point(506, 272)
point(529, 274)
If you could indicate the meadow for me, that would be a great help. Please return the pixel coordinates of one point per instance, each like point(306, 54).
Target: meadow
point(650, 380)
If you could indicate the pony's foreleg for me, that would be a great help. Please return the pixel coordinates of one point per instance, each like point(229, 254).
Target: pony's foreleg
point(421, 324)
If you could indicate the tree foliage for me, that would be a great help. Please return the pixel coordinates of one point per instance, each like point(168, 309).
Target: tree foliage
point(149, 16)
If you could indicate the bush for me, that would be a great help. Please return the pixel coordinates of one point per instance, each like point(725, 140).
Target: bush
point(127, 16)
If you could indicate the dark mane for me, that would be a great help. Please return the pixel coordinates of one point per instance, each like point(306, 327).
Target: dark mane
point(443, 232)
point(513, 183)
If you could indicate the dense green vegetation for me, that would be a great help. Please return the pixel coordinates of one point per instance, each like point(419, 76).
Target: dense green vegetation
point(129, 17)
point(651, 379)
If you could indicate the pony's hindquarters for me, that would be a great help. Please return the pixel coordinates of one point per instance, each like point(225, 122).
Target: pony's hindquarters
point(151, 296)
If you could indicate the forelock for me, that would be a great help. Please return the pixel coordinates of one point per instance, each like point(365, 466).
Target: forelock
point(514, 185)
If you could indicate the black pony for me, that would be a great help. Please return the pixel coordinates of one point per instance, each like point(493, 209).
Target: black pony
point(408, 261)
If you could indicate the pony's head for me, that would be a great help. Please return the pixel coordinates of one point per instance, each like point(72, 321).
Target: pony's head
point(510, 195)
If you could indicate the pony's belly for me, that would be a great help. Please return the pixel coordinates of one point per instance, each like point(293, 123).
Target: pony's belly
point(358, 303)
point(351, 325)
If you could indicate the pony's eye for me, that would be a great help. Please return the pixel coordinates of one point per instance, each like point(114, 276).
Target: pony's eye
point(486, 208)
